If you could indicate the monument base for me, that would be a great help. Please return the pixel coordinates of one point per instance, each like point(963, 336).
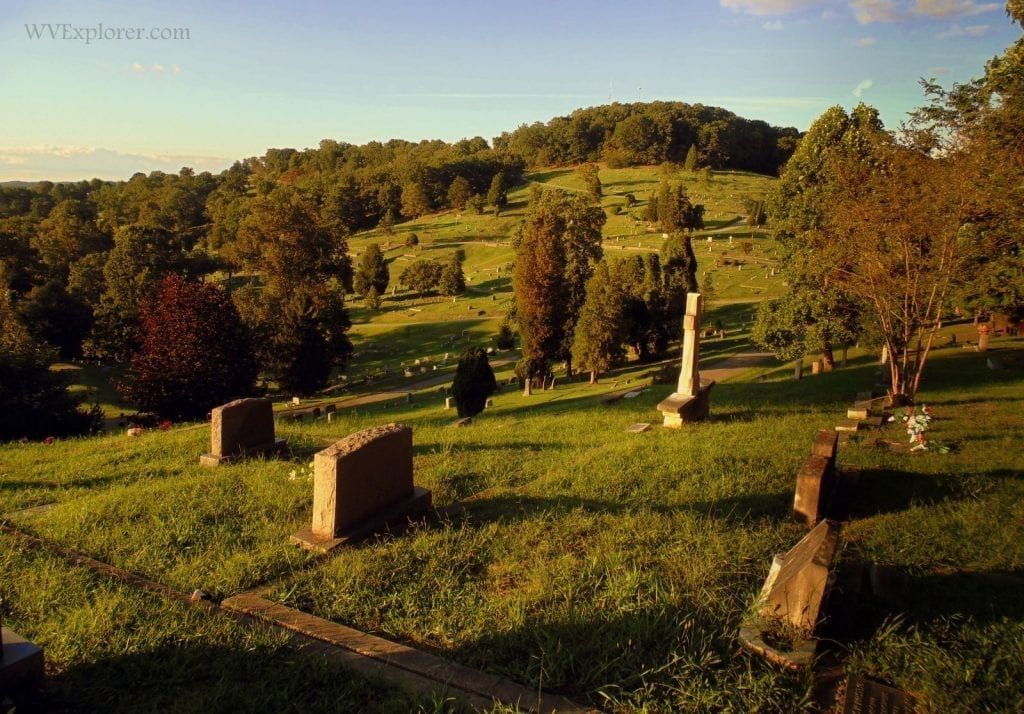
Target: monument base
point(277, 446)
point(394, 515)
point(678, 409)
point(21, 662)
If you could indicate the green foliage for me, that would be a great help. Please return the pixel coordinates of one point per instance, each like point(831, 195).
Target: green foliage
point(459, 193)
point(649, 134)
point(412, 241)
point(675, 211)
point(423, 276)
point(415, 201)
point(194, 352)
point(497, 194)
point(588, 173)
point(473, 383)
point(690, 163)
point(477, 203)
point(373, 298)
point(452, 281)
point(56, 318)
point(506, 339)
point(600, 330)
point(34, 401)
point(372, 271)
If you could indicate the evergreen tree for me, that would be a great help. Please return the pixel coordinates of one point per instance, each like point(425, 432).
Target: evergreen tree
point(651, 209)
point(372, 272)
point(497, 195)
point(690, 164)
point(473, 383)
point(599, 335)
point(679, 275)
point(195, 353)
point(588, 173)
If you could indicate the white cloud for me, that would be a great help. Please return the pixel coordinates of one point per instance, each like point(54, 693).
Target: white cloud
point(74, 163)
point(773, 25)
point(863, 86)
point(953, 8)
point(768, 7)
point(958, 31)
point(176, 69)
point(158, 68)
point(865, 41)
point(136, 67)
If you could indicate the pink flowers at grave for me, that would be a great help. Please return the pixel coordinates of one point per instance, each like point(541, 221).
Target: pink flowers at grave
point(49, 440)
point(135, 431)
point(165, 425)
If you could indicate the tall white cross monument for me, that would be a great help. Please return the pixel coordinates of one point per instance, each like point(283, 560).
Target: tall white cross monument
point(692, 399)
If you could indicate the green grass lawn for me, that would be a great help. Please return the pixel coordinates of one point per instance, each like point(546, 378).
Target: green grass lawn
point(611, 567)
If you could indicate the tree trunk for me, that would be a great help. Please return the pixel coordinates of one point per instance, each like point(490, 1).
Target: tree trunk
point(828, 357)
point(593, 376)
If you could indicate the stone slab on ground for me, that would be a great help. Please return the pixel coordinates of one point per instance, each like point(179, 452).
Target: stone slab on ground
point(638, 428)
point(848, 425)
point(795, 593)
point(460, 679)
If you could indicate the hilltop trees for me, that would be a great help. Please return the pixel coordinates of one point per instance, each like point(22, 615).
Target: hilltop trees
point(497, 194)
point(459, 192)
point(195, 353)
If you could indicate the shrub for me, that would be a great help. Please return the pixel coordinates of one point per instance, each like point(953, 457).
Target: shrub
point(474, 382)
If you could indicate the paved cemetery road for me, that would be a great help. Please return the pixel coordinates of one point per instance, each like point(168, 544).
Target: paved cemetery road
point(737, 364)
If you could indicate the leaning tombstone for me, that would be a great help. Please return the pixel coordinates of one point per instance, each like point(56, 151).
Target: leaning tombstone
point(816, 480)
point(242, 428)
point(691, 401)
point(782, 624)
point(362, 484)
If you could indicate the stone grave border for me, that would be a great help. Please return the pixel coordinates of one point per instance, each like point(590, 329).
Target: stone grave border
point(393, 663)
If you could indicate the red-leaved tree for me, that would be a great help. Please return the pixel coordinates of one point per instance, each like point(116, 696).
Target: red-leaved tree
point(195, 352)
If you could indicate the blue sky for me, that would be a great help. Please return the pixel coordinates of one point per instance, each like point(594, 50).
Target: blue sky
point(257, 74)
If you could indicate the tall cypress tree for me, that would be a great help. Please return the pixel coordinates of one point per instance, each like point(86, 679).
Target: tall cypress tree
point(599, 334)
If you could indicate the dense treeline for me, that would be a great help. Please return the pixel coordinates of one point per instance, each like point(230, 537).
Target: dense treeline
point(652, 133)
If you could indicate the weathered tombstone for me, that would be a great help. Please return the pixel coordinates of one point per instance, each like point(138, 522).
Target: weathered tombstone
point(983, 333)
point(691, 401)
point(798, 369)
point(489, 403)
point(816, 367)
point(330, 408)
point(792, 598)
point(244, 427)
point(816, 480)
point(449, 402)
point(317, 413)
point(362, 484)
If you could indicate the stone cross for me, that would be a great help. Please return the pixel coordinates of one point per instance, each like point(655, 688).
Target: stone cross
point(689, 375)
point(692, 399)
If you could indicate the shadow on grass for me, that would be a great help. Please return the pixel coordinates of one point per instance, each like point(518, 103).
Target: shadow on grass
point(205, 677)
point(881, 491)
point(734, 510)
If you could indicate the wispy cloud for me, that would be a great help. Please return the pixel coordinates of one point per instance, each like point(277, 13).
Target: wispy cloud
point(773, 25)
point(958, 31)
point(868, 11)
point(136, 67)
point(865, 41)
point(768, 7)
point(863, 86)
point(73, 163)
point(953, 8)
point(493, 95)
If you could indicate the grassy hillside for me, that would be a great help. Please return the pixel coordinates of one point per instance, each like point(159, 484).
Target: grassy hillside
point(612, 567)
